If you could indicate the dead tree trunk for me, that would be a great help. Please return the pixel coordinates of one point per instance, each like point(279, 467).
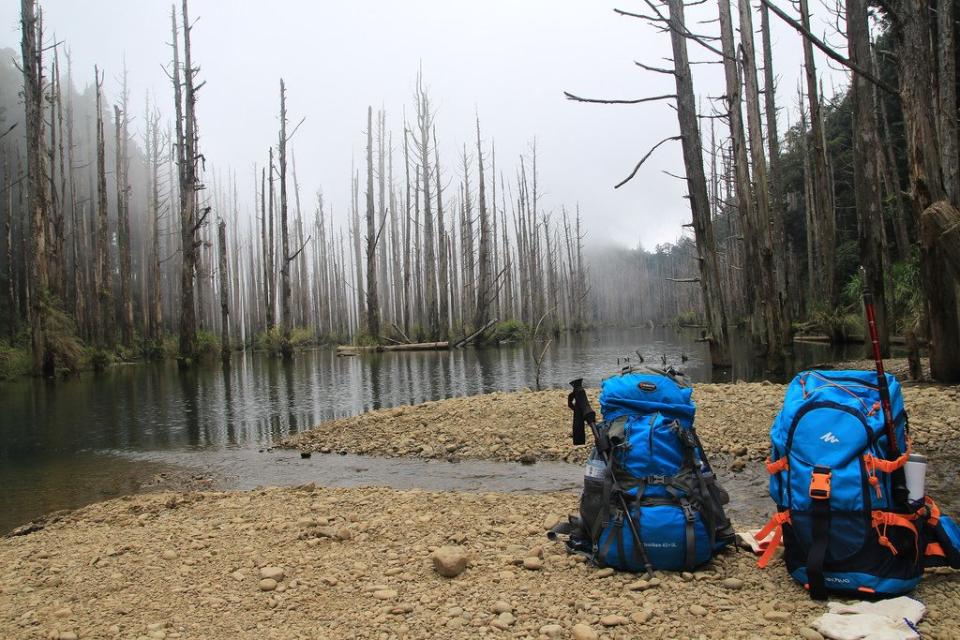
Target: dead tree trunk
point(187, 158)
point(286, 320)
point(373, 304)
point(745, 202)
point(444, 257)
point(425, 122)
point(865, 171)
point(31, 47)
point(824, 216)
point(484, 283)
point(224, 293)
point(123, 218)
point(102, 277)
point(697, 189)
point(772, 297)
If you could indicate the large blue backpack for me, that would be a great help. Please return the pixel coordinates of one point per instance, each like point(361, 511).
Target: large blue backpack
point(659, 464)
point(831, 481)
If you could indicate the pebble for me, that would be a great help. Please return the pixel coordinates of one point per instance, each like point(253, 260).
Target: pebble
point(533, 563)
point(551, 630)
point(698, 610)
point(501, 607)
point(604, 573)
point(583, 632)
point(776, 616)
point(809, 634)
point(267, 584)
point(273, 573)
point(686, 576)
point(551, 521)
point(504, 620)
point(450, 561)
point(169, 554)
point(613, 620)
point(385, 594)
point(641, 617)
point(732, 583)
point(66, 612)
point(639, 585)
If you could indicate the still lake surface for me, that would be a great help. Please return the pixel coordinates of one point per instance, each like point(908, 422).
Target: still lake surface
point(100, 435)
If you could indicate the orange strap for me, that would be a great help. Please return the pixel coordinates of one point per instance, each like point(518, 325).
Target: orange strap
point(775, 525)
point(934, 517)
point(883, 519)
point(776, 467)
point(934, 549)
point(874, 463)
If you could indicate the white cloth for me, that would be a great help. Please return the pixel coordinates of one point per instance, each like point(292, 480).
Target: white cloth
point(881, 620)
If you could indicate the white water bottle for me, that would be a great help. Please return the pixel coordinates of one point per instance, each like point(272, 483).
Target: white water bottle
point(916, 471)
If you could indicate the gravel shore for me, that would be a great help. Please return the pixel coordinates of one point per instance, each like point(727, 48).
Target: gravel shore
point(528, 426)
point(311, 562)
point(356, 563)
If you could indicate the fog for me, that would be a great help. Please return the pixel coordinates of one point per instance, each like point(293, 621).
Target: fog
point(508, 62)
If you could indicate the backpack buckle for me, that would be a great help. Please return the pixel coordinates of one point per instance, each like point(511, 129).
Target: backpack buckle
point(820, 483)
point(656, 479)
point(689, 511)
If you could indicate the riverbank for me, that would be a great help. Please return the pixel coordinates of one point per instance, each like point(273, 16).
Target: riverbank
point(356, 563)
point(528, 426)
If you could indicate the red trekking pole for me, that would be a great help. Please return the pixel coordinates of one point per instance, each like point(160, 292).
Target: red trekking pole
point(898, 479)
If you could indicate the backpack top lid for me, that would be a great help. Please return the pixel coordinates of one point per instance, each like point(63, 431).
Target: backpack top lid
point(644, 393)
point(856, 389)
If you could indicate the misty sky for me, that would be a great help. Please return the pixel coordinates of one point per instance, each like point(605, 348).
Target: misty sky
point(509, 61)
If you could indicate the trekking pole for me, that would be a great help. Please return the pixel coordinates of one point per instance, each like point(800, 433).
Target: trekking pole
point(584, 413)
point(898, 479)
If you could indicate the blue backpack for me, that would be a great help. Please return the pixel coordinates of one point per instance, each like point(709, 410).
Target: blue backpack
point(831, 481)
point(659, 464)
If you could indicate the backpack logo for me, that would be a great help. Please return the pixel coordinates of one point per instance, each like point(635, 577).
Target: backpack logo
point(829, 437)
point(647, 386)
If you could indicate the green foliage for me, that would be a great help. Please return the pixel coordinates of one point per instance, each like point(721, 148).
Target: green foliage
point(208, 345)
point(365, 340)
point(511, 331)
point(99, 359)
point(14, 361)
point(272, 340)
point(687, 319)
point(905, 302)
point(69, 352)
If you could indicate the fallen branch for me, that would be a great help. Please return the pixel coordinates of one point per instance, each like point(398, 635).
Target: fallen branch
point(472, 336)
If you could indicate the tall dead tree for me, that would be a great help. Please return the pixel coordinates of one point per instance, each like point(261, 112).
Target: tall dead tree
point(443, 250)
point(425, 124)
point(31, 48)
point(224, 292)
point(187, 160)
point(484, 280)
point(822, 209)
point(286, 320)
point(103, 274)
point(697, 189)
point(773, 298)
point(123, 215)
point(373, 304)
point(866, 187)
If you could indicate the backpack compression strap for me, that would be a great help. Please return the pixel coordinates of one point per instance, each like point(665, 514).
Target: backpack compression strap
point(820, 495)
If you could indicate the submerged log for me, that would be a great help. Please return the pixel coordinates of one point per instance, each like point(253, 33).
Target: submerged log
point(415, 346)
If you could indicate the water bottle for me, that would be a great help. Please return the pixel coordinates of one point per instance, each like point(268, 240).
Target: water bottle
point(916, 471)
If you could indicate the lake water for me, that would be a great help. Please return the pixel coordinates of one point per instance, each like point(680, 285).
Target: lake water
point(139, 426)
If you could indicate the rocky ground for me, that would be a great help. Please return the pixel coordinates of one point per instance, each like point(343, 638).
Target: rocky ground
point(529, 426)
point(314, 562)
point(357, 563)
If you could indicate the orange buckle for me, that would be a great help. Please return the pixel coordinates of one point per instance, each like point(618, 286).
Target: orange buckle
point(820, 483)
point(776, 467)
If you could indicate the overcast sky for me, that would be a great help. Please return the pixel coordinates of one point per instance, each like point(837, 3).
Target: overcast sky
point(508, 60)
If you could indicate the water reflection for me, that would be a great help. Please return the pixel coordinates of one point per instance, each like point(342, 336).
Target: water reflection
point(52, 436)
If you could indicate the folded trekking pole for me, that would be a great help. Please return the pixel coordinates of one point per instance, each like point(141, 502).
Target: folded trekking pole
point(898, 479)
point(583, 413)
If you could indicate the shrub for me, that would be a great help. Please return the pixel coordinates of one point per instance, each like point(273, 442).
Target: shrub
point(14, 361)
point(510, 331)
point(208, 345)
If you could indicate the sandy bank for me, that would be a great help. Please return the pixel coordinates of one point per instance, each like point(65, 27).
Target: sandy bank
point(529, 426)
point(355, 564)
